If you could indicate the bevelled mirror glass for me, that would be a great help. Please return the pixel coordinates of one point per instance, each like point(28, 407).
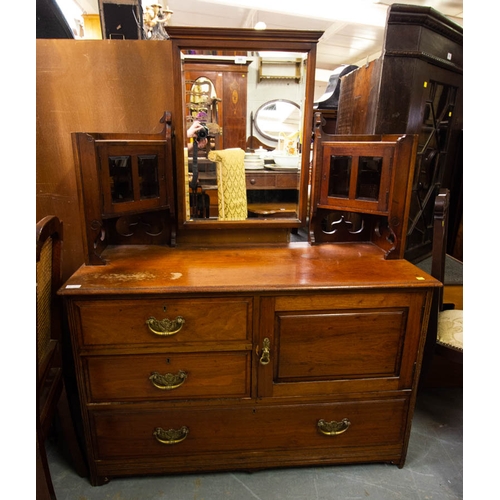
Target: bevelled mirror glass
point(257, 108)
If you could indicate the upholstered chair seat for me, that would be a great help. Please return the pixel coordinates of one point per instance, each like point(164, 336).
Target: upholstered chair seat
point(450, 329)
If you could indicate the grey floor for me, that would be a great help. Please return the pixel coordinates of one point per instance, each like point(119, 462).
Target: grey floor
point(433, 470)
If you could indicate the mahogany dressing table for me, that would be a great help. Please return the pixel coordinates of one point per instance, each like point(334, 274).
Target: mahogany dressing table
point(214, 353)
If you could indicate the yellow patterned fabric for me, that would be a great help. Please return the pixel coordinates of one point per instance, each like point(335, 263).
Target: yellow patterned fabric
point(450, 328)
point(231, 183)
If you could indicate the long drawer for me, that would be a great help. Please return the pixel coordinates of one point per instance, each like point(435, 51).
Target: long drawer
point(168, 376)
point(125, 322)
point(176, 432)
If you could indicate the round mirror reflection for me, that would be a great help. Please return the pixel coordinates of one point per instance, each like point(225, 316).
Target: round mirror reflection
point(277, 118)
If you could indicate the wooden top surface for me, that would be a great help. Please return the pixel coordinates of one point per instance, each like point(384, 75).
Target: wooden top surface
point(294, 267)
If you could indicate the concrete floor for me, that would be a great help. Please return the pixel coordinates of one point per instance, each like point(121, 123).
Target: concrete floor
point(433, 470)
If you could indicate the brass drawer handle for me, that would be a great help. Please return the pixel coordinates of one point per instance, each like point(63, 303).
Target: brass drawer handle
point(333, 428)
point(165, 326)
point(172, 436)
point(266, 352)
point(169, 380)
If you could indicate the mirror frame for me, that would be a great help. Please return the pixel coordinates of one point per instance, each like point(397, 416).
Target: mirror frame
point(261, 108)
point(242, 39)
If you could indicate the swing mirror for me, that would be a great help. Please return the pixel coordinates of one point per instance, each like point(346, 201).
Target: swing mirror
point(222, 76)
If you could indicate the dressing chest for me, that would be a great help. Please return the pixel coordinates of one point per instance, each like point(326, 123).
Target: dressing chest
point(210, 345)
point(269, 356)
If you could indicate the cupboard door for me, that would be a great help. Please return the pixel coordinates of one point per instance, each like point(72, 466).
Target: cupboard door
point(133, 177)
point(357, 176)
point(340, 343)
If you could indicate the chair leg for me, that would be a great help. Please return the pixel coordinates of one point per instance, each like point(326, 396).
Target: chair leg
point(44, 486)
point(69, 435)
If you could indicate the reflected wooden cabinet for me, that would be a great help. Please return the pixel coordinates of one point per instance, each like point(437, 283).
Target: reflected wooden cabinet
point(268, 192)
point(230, 85)
point(272, 194)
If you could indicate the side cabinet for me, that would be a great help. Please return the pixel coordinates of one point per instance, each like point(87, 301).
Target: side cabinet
point(190, 380)
point(126, 189)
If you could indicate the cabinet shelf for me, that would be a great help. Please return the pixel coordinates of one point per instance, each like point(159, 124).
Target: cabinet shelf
point(280, 69)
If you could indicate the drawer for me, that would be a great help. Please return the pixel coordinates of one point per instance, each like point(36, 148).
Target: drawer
point(270, 180)
point(168, 376)
point(123, 434)
point(121, 322)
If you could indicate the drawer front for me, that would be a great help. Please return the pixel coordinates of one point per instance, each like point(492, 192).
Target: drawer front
point(287, 181)
point(268, 180)
point(212, 431)
point(260, 181)
point(121, 322)
point(168, 376)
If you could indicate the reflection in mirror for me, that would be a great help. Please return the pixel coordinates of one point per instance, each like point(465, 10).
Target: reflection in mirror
point(203, 105)
point(227, 91)
point(202, 92)
point(278, 118)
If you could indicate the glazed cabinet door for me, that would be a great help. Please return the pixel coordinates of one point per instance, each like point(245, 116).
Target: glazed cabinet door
point(339, 343)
